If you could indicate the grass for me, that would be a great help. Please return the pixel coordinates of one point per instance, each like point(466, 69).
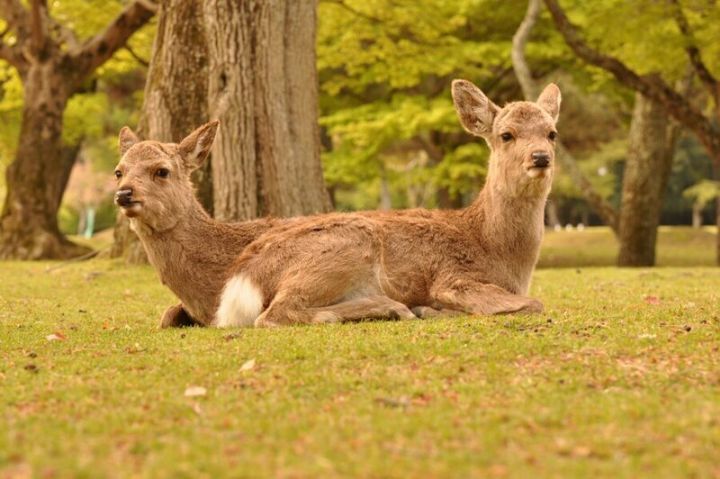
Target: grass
point(619, 378)
point(677, 246)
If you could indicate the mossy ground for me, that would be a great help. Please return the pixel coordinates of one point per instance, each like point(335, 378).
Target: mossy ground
point(619, 378)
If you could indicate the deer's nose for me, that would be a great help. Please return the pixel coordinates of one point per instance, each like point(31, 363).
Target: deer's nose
point(124, 197)
point(541, 159)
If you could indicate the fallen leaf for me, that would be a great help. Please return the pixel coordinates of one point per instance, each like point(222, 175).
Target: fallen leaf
point(197, 409)
point(402, 402)
point(56, 336)
point(248, 365)
point(195, 391)
point(652, 300)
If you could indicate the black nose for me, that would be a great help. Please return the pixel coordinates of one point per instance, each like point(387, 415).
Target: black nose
point(124, 197)
point(541, 159)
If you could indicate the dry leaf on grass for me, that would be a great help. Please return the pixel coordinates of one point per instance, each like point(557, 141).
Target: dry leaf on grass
point(56, 336)
point(248, 365)
point(195, 391)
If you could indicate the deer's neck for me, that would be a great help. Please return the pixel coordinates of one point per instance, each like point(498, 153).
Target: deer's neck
point(193, 257)
point(509, 228)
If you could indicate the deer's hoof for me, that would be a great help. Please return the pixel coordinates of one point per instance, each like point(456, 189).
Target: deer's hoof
point(176, 317)
point(533, 306)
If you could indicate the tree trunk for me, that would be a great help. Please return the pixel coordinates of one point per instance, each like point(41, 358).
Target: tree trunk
point(37, 178)
point(263, 89)
point(175, 100)
point(551, 214)
point(697, 215)
point(647, 169)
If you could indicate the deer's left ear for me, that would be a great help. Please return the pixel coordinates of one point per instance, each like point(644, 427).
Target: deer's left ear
point(126, 139)
point(549, 100)
point(196, 146)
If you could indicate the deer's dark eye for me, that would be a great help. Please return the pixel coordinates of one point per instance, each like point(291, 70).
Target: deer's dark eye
point(507, 137)
point(118, 174)
point(552, 135)
point(162, 172)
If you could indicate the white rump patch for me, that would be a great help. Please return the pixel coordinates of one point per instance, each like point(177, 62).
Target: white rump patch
point(240, 304)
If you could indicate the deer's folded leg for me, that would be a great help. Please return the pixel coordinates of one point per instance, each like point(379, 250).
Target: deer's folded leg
point(426, 312)
point(374, 307)
point(177, 317)
point(475, 297)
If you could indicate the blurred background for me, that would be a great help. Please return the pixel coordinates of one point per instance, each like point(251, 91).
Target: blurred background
point(640, 139)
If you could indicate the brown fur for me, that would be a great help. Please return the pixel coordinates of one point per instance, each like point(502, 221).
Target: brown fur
point(478, 260)
point(190, 251)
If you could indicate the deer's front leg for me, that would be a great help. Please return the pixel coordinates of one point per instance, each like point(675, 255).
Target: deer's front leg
point(177, 317)
point(474, 297)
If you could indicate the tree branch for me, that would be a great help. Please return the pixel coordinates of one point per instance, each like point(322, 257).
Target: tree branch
point(517, 53)
point(13, 12)
point(530, 90)
point(703, 73)
point(102, 46)
point(652, 87)
point(38, 26)
point(137, 57)
point(12, 54)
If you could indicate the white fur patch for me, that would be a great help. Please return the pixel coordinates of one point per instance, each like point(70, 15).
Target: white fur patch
point(240, 304)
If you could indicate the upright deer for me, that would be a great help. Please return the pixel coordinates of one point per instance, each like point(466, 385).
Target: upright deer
point(478, 260)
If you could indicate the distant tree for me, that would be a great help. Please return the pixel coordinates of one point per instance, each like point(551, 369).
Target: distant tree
point(53, 65)
point(688, 35)
point(701, 193)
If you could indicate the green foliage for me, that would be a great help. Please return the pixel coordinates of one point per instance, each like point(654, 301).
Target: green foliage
point(703, 192)
point(385, 70)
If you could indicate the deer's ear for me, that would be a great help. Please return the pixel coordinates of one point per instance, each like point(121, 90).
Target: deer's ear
point(475, 110)
point(195, 148)
point(549, 100)
point(126, 140)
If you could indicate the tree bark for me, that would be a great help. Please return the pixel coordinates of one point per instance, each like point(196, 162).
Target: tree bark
point(263, 89)
point(175, 101)
point(651, 145)
point(37, 178)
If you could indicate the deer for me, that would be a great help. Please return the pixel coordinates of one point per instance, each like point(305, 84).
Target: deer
point(417, 263)
point(191, 251)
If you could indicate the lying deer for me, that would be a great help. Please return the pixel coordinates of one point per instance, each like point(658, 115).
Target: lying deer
point(478, 260)
point(191, 251)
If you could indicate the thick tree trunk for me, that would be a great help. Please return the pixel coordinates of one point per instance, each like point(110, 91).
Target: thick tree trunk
point(647, 169)
point(175, 100)
point(36, 180)
point(263, 89)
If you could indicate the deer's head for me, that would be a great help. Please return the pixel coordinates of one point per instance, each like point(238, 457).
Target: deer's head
point(521, 136)
point(153, 178)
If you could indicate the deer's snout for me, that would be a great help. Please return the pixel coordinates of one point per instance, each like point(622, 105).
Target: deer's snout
point(124, 197)
point(541, 159)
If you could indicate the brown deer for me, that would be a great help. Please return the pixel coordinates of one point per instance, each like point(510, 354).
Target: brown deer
point(191, 251)
point(479, 260)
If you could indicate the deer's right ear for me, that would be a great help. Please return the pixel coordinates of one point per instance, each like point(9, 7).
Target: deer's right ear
point(196, 146)
point(475, 110)
point(126, 140)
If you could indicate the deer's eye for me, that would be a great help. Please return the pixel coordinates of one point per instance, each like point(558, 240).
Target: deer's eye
point(552, 135)
point(118, 174)
point(162, 172)
point(507, 137)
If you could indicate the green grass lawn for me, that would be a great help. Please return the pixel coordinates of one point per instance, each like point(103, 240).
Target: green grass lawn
point(619, 378)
